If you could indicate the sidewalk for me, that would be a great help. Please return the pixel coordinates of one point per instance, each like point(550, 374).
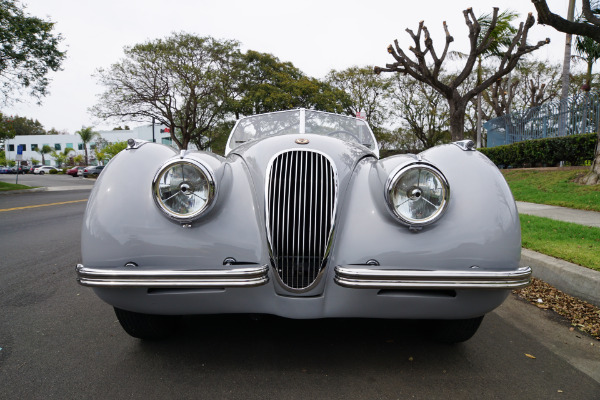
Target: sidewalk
point(572, 279)
point(589, 218)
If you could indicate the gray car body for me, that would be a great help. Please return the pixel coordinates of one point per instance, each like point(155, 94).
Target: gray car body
point(123, 230)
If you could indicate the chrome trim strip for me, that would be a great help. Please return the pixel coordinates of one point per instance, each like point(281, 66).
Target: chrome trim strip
point(302, 126)
point(465, 145)
point(359, 277)
point(239, 277)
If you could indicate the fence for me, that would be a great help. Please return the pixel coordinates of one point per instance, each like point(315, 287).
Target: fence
point(575, 115)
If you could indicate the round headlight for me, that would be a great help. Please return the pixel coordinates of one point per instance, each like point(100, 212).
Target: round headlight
point(417, 194)
point(183, 189)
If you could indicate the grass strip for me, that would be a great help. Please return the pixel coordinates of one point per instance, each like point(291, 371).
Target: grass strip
point(571, 242)
point(11, 186)
point(554, 187)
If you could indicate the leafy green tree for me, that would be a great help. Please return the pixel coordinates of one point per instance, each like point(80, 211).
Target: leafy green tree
point(62, 156)
point(27, 126)
point(105, 151)
point(181, 81)
point(87, 134)
point(77, 160)
point(265, 84)
point(365, 92)
point(45, 149)
point(28, 51)
point(7, 130)
point(113, 149)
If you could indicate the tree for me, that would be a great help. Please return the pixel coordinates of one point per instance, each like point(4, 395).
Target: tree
point(87, 134)
point(182, 81)
point(423, 111)
point(589, 27)
point(479, 42)
point(43, 151)
point(588, 51)
point(105, 151)
point(266, 84)
point(61, 156)
point(501, 37)
point(366, 92)
point(539, 83)
point(28, 51)
point(7, 130)
point(27, 126)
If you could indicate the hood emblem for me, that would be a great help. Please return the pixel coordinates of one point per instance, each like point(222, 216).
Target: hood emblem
point(302, 141)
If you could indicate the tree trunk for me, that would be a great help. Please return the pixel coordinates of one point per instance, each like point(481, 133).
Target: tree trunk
point(457, 120)
point(593, 176)
point(479, 120)
point(562, 123)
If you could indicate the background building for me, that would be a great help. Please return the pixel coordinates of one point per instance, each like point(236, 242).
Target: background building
point(32, 143)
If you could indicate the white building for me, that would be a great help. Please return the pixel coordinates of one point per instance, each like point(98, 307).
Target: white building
point(32, 143)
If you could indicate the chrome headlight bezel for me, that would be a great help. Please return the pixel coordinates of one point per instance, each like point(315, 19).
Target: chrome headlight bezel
point(211, 189)
point(401, 172)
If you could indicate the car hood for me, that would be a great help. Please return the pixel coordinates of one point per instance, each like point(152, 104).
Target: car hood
point(258, 154)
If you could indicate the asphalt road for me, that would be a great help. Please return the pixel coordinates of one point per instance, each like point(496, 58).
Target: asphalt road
point(48, 180)
point(59, 341)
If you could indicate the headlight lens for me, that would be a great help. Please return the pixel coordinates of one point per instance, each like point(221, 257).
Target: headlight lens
point(417, 194)
point(183, 189)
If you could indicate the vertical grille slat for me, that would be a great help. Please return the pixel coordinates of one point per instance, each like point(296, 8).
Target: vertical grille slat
point(301, 202)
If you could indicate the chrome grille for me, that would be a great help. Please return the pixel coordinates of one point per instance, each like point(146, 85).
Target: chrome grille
point(301, 200)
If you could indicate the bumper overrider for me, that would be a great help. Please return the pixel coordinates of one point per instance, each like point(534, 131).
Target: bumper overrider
point(350, 276)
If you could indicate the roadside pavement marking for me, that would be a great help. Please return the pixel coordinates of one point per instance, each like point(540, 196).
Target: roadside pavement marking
point(42, 205)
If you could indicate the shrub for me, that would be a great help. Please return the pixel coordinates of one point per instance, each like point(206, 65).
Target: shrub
point(53, 172)
point(574, 149)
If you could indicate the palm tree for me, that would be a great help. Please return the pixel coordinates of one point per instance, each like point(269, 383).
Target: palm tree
point(46, 149)
point(501, 36)
point(588, 50)
point(86, 135)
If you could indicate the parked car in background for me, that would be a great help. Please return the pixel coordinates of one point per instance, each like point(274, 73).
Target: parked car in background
point(74, 171)
point(5, 170)
point(302, 219)
point(44, 169)
point(24, 169)
point(92, 170)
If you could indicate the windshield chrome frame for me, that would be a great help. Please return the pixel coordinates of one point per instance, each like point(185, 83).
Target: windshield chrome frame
point(302, 127)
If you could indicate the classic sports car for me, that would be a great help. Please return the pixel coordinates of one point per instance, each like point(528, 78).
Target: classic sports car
point(301, 219)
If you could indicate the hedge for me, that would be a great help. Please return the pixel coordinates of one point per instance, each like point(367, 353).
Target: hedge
point(574, 149)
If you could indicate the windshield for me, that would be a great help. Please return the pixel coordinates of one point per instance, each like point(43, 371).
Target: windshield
point(301, 121)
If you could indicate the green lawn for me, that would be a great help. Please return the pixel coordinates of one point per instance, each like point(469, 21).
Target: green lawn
point(553, 187)
point(11, 186)
point(571, 242)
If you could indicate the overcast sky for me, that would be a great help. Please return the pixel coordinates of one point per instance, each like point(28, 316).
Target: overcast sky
point(316, 36)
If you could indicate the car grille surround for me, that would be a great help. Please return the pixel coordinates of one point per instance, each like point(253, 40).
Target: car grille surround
point(301, 200)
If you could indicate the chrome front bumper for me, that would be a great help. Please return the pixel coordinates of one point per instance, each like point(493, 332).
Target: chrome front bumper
point(359, 277)
point(239, 277)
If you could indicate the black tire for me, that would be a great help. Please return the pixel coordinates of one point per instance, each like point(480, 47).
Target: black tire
point(147, 326)
point(454, 330)
point(42, 172)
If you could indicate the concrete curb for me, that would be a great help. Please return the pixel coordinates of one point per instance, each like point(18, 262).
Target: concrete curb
point(573, 279)
point(18, 191)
